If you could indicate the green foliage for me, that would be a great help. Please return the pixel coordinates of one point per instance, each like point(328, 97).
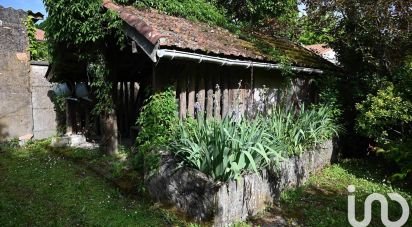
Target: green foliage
point(298, 131)
point(322, 201)
point(400, 154)
point(315, 34)
point(59, 103)
point(329, 94)
point(38, 50)
point(265, 16)
point(77, 23)
point(198, 10)
point(227, 149)
point(101, 85)
point(384, 116)
point(157, 122)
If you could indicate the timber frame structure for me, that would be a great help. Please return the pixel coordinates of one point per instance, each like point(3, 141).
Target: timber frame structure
point(215, 72)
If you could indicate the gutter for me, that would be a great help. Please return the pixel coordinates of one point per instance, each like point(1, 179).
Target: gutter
point(199, 58)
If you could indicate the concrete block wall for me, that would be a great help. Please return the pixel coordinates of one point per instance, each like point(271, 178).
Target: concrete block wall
point(44, 116)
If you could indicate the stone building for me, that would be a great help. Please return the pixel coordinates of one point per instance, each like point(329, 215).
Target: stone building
point(25, 108)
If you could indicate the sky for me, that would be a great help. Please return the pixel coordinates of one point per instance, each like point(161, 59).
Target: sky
point(33, 5)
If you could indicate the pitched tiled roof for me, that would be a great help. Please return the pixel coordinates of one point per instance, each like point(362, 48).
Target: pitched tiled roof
point(179, 33)
point(319, 48)
point(325, 51)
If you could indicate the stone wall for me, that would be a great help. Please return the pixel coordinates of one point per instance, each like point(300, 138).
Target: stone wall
point(222, 204)
point(44, 116)
point(15, 93)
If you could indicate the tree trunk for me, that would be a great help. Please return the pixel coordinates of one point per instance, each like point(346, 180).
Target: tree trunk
point(109, 143)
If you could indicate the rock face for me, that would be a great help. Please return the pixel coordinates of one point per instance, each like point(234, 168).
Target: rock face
point(222, 204)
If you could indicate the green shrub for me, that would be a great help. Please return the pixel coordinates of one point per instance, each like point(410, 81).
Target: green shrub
point(157, 124)
point(384, 116)
point(400, 153)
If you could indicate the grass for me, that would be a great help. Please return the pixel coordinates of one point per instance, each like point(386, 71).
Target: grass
point(323, 199)
point(40, 188)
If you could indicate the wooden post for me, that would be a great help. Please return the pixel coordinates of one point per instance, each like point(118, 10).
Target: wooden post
point(154, 79)
point(109, 143)
point(126, 110)
point(201, 95)
point(182, 96)
point(218, 96)
point(120, 105)
point(192, 92)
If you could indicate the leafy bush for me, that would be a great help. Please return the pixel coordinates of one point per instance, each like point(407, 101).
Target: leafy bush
point(400, 153)
point(384, 116)
point(157, 123)
point(227, 149)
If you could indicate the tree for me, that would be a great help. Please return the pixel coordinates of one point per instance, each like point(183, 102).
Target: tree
point(370, 36)
point(80, 34)
point(273, 17)
point(373, 41)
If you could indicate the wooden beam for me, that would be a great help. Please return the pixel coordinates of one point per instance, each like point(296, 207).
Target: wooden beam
point(141, 41)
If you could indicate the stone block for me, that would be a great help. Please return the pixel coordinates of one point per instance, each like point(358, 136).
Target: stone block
point(41, 98)
point(44, 119)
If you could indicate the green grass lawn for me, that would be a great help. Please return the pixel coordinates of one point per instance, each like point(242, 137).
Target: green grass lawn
point(42, 187)
point(38, 188)
point(323, 199)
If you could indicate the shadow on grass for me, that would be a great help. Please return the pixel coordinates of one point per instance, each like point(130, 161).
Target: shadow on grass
point(39, 188)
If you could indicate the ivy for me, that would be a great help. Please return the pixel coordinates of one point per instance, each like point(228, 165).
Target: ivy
point(102, 87)
point(38, 50)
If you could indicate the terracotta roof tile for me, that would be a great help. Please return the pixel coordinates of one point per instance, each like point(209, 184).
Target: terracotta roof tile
point(319, 48)
point(179, 33)
point(40, 35)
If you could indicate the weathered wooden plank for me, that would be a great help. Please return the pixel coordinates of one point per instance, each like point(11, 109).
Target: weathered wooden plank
point(218, 96)
point(131, 103)
point(192, 94)
point(209, 101)
point(182, 96)
point(126, 113)
point(201, 95)
point(225, 99)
